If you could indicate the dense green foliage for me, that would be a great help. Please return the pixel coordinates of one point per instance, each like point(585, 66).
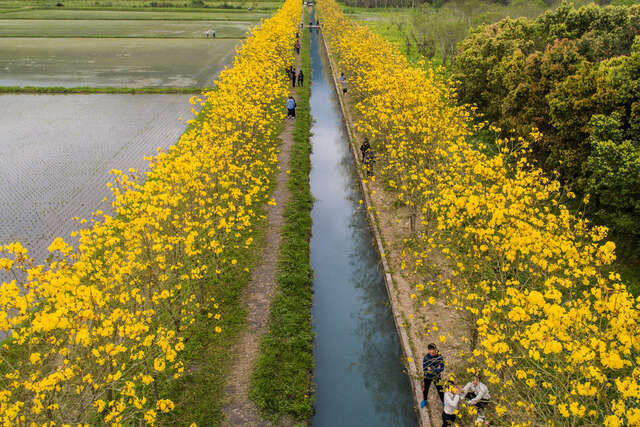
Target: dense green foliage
point(434, 31)
point(282, 381)
point(573, 73)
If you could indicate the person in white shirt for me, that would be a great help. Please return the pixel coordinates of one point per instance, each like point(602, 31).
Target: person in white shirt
point(450, 405)
point(477, 394)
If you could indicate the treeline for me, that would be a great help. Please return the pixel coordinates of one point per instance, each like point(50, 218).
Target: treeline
point(438, 3)
point(573, 73)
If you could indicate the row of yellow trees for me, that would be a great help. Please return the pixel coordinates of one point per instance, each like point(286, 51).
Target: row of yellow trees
point(95, 334)
point(553, 330)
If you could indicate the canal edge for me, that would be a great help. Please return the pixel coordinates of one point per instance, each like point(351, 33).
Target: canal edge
point(409, 357)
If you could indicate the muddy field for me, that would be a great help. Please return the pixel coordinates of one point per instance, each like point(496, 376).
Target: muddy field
point(113, 62)
point(56, 152)
point(233, 15)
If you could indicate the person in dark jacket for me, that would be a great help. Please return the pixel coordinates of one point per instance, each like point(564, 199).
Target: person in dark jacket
point(291, 108)
point(364, 148)
point(432, 366)
point(293, 77)
point(300, 78)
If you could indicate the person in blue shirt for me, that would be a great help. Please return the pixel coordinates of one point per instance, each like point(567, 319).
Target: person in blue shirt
point(291, 108)
point(432, 366)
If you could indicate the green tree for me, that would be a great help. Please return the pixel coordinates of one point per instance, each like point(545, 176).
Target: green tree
point(613, 177)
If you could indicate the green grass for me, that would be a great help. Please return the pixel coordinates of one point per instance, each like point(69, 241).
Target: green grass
point(121, 29)
point(282, 380)
point(72, 62)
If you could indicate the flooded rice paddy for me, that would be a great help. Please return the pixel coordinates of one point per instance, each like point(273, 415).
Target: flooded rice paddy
point(119, 15)
point(56, 152)
point(123, 28)
point(92, 62)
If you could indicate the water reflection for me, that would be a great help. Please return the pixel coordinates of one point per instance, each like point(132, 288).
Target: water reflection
point(359, 375)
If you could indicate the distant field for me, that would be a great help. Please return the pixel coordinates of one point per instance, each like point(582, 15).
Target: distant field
point(137, 4)
point(126, 28)
point(135, 15)
point(73, 62)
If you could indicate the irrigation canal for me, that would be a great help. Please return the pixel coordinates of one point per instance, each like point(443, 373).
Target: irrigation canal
point(359, 376)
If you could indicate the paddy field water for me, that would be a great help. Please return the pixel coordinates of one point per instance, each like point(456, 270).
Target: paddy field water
point(231, 15)
point(118, 62)
point(122, 28)
point(56, 152)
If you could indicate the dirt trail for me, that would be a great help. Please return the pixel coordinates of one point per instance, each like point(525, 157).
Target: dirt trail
point(239, 409)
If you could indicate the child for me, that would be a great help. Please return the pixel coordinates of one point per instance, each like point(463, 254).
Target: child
point(450, 404)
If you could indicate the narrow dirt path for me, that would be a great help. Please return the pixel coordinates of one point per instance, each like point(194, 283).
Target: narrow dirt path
point(239, 409)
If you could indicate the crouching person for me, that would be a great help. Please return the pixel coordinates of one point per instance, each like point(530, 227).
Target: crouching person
point(477, 394)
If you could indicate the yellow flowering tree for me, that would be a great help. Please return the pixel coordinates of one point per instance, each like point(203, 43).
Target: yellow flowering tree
point(94, 334)
point(554, 330)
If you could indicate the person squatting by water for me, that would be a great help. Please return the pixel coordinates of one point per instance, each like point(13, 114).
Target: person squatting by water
point(364, 148)
point(477, 394)
point(291, 108)
point(369, 162)
point(450, 404)
point(300, 78)
point(432, 366)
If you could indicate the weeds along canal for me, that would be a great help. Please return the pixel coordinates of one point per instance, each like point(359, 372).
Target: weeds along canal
point(359, 375)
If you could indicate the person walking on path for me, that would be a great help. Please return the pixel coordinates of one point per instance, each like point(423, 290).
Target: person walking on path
point(300, 78)
point(343, 83)
point(291, 108)
point(477, 394)
point(432, 366)
point(450, 404)
point(213, 34)
point(293, 77)
point(297, 47)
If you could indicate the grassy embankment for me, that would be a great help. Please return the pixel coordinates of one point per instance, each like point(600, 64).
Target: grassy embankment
point(282, 381)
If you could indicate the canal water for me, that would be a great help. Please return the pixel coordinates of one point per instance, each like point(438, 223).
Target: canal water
point(359, 374)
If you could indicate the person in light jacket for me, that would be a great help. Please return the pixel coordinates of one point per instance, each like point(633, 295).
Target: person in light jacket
point(450, 404)
point(477, 394)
